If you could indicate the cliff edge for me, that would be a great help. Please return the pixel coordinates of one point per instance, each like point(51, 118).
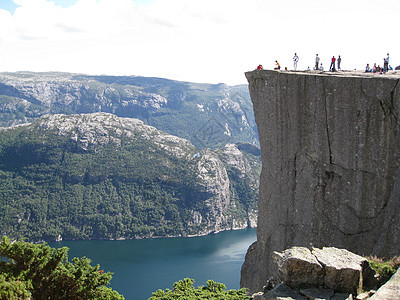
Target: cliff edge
point(330, 148)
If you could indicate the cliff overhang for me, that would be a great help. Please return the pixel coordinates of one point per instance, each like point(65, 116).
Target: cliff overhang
point(331, 156)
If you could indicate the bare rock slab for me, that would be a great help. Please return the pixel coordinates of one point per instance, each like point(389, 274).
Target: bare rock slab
point(317, 293)
point(297, 266)
point(343, 269)
point(390, 290)
point(330, 268)
point(283, 292)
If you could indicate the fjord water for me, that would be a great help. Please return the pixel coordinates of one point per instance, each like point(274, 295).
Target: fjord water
point(141, 267)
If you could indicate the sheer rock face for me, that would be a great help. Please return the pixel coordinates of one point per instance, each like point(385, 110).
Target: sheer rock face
point(330, 165)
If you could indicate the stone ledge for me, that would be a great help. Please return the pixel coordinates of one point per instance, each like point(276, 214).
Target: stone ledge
point(343, 73)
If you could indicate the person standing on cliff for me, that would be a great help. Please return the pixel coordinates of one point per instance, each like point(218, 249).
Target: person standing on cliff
point(385, 64)
point(316, 62)
point(295, 60)
point(339, 60)
point(332, 66)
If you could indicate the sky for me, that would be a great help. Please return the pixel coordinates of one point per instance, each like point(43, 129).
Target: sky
point(207, 41)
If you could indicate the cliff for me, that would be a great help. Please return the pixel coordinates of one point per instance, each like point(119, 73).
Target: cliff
point(330, 164)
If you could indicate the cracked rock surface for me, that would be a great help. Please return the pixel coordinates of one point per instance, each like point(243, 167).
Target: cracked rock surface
point(330, 164)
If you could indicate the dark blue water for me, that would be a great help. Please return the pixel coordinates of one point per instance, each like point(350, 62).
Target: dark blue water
point(141, 267)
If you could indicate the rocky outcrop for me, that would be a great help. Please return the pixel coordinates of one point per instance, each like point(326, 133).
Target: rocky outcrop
point(89, 131)
point(242, 162)
point(328, 273)
point(330, 149)
point(331, 268)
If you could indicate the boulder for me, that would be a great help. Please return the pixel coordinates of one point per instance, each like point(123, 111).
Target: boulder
point(283, 292)
point(343, 269)
point(317, 293)
point(331, 268)
point(390, 290)
point(328, 273)
point(258, 296)
point(297, 266)
point(365, 295)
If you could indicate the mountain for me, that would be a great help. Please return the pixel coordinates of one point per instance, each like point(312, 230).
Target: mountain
point(209, 115)
point(99, 176)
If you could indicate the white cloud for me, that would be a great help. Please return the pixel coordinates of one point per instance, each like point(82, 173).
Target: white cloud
point(194, 40)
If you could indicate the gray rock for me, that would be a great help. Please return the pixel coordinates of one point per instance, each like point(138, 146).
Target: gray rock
point(297, 266)
point(283, 292)
point(390, 290)
point(317, 293)
point(342, 296)
point(329, 267)
point(370, 281)
point(365, 295)
point(259, 295)
point(244, 170)
point(330, 147)
point(343, 271)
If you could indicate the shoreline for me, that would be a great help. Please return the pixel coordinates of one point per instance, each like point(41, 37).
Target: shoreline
point(143, 238)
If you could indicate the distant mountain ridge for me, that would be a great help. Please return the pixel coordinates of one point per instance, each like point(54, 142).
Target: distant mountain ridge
point(99, 176)
point(209, 115)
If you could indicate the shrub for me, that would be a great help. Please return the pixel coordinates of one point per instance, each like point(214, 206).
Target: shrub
point(184, 289)
point(384, 267)
point(41, 272)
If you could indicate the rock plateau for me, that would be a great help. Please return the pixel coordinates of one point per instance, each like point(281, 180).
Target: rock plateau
point(330, 148)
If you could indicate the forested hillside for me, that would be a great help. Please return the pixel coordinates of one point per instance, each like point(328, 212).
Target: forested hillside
point(97, 176)
point(209, 115)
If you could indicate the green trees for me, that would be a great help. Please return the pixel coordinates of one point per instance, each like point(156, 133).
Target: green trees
point(41, 272)
point(124, 188)
point(184, 289)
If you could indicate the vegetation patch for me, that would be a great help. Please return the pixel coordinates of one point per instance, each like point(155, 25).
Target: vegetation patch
point(38, 271)
point(184, 289)
point(384, 267)
point(53, 188)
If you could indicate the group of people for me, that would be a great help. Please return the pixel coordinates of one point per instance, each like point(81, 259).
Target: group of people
point(378, 69)
point(277, 67)
point(336, 61)
point(319, 66)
